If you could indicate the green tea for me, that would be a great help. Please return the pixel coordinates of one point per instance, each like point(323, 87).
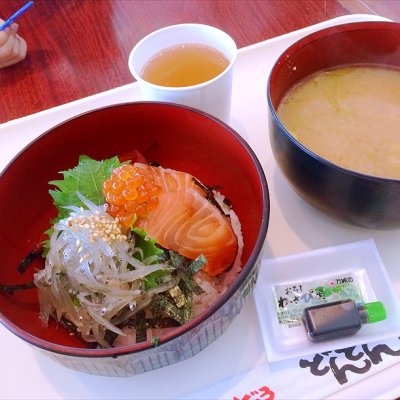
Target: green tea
point(184, 65)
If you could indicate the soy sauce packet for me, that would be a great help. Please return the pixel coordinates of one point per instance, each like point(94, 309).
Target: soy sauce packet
point(287, 285)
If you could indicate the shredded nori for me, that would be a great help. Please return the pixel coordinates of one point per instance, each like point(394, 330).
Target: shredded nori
point(140, 326)
point(192, 285)
point(10, 289)
point(21, 268)
point(28, 259)
point(170, 308)
point(69, 326)
point(197, 264)
point(165, 303)
point(109, 336)
point(208, 190)
point(161, 322)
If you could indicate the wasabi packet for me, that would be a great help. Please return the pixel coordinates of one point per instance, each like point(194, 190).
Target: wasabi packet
point(291, 298)
point(287, 285)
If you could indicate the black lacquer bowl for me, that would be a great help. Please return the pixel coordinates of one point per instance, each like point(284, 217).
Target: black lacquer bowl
point(360, 199)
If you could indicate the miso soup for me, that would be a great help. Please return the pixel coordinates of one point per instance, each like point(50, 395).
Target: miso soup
point(349, 116)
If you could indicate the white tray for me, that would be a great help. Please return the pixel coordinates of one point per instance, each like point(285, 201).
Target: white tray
point(294, 227)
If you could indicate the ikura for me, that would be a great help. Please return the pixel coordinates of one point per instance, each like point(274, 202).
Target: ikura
point(129, 194)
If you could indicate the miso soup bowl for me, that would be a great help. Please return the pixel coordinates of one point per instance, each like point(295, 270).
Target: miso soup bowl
point(363, 200)
point(175, 136)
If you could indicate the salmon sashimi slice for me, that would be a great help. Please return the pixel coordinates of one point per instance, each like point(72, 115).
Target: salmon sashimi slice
point(185, 221)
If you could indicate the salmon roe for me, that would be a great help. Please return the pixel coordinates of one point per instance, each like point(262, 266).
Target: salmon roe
point(129, 194)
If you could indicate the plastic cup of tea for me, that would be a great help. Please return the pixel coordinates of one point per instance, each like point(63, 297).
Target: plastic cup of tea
point(213, 95)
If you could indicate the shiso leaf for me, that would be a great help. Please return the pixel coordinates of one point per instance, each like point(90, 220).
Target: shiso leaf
point(148, 249)
point(147, 245)
point(86, 178)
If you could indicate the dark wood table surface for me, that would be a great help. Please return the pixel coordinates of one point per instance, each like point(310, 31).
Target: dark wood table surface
point(77, 48)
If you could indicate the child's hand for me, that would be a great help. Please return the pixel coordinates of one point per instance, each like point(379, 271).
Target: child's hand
point(12, 46)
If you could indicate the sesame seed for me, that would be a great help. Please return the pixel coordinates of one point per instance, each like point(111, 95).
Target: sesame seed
point(99, 227)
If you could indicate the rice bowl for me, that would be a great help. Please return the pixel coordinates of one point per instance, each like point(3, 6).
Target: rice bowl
point(194, 142)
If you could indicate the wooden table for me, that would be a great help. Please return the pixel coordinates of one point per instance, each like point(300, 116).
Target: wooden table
point(77, 48)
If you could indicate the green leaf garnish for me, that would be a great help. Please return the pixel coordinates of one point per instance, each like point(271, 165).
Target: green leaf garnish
point(86, 178)
point(147, 245)
point(149, 249)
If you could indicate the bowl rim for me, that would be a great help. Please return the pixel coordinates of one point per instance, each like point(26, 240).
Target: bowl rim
point(298, 45)
point(197, 320)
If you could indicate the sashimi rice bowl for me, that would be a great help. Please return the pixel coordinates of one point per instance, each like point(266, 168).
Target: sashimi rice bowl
point(131, 237)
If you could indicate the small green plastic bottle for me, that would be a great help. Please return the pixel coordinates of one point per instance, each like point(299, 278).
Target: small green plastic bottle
point(340, 318)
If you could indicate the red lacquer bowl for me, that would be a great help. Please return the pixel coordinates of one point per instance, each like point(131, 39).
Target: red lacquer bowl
point(175, 136)
point(364, 200)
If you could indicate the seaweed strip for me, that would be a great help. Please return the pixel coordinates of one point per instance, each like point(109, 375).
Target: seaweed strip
point(179, 262)
point(188, 310)
point(171, 309)
point(109, 337)
point(165, 322)
point(28, 259)
point(69, 326)
point(10, 289)
point(140, 326)
point(210, 195)
point(72, 329)
point(197, 264)
point(191, 284)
